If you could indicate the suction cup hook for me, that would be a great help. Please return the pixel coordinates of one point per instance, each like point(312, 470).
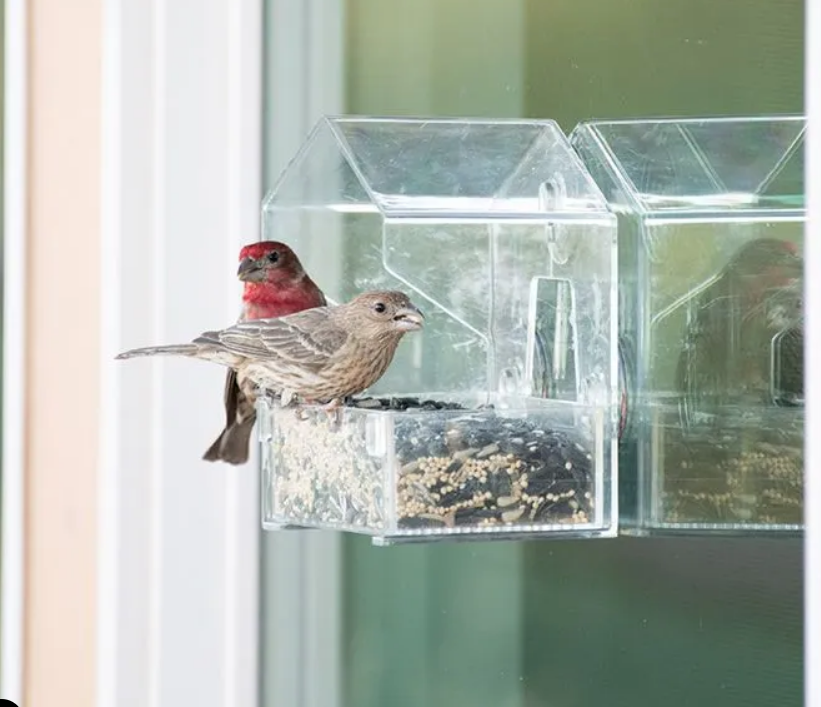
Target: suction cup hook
point(552, 198)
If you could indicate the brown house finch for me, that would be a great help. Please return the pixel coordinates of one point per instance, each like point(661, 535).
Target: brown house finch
point(323, 355)
point(275, 285)
point(728, 348)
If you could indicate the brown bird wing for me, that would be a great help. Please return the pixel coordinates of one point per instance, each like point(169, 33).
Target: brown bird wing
point(308, 339)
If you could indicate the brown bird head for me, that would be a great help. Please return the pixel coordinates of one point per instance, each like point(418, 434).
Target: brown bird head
point(377, 315)
point(269, 262)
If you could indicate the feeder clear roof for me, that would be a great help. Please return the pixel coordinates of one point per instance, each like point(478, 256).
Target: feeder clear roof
point(407, 168)
point(699, 164)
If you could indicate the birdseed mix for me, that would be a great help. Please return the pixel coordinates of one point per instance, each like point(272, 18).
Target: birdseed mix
point(454, 466)
point(736, 480)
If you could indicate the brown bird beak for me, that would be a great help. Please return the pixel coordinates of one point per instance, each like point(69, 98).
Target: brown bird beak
point(409, 319)
point(250, 270)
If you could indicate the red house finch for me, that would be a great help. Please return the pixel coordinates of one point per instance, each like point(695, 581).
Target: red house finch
point(324, 354)
point(275, 285)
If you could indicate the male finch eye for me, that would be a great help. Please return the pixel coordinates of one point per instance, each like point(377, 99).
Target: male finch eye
point(273, 256)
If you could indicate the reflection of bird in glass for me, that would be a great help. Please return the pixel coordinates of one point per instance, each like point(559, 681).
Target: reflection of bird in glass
point(727, 355)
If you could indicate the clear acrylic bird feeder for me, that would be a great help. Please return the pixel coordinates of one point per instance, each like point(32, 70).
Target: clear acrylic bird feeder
point(497, 420)
point(711, 224)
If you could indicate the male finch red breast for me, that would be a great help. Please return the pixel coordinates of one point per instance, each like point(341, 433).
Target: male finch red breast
point(324, 354)
point(275, 285)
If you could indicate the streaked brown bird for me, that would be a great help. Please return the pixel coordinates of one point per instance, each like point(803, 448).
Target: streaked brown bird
point(321, 355)
point(275, 285)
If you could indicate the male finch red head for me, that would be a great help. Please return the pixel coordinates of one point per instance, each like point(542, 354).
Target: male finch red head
point(325, 354)
point(275, 285)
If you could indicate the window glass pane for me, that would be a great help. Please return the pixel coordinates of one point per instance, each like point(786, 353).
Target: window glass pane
point(632, 622)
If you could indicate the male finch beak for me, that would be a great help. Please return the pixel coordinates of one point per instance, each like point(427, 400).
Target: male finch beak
point(250, 270)
point(409, 319)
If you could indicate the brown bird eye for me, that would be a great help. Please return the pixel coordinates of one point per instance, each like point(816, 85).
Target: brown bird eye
point(379, 307)
point(273, 256)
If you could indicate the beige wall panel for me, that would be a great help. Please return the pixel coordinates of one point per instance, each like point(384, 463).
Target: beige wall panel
point(62, 343)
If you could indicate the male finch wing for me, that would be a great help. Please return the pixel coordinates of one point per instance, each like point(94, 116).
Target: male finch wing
point(240, 413)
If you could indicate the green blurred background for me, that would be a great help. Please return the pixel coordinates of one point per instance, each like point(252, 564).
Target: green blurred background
point(628, 622)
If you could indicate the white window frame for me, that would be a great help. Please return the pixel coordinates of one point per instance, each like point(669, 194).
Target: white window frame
point(178, 537)
point(179, 551)
point(12, 603)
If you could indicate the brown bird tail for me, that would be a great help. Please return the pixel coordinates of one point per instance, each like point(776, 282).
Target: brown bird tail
point(232, 446)
point(171, 350)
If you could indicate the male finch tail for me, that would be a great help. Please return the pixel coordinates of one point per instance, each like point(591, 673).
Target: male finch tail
point(233, 443)
point(275, 285)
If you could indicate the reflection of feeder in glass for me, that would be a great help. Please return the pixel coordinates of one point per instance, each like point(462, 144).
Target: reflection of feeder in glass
point(711, 221)
point(497, 418)
point(741, 357)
